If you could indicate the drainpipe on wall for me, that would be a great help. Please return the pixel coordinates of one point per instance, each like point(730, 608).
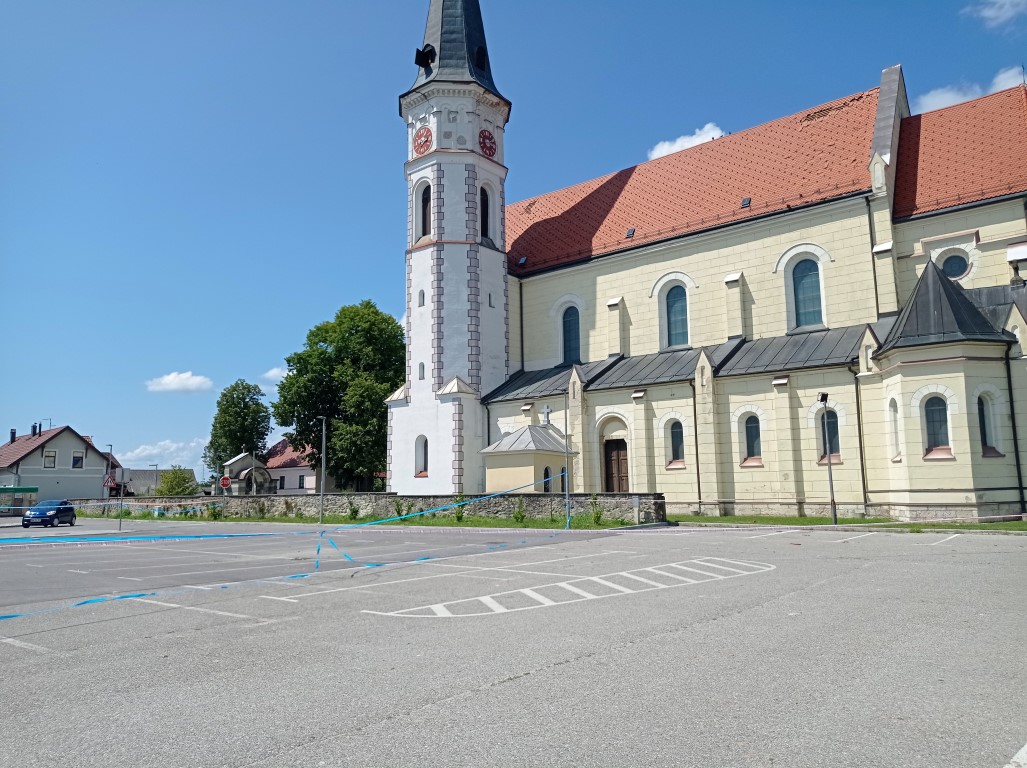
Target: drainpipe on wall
point(1016, 439)
point(859, 432)
point(695, 442)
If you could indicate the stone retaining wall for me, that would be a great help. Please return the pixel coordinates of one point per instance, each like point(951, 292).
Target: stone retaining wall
point(367, 506)
point(905, 512)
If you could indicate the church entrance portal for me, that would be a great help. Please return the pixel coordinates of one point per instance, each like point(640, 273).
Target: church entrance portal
point(615, 466)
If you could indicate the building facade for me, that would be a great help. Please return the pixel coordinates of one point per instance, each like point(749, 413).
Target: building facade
point(60, 462)
point(837, 287)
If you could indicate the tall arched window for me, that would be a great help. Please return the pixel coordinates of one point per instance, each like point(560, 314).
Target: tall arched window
point(420, 298)
point(547, 480)
point(829, 436)
point(989, 447)
point(806, 293)
point(936, 427)
point(677, 443)
point(420, 371)
point(484, 213)
point(893, 429)
point(677, 316)
point(421, 456)
point(425, 211)
point(753, 449)
point(571, 336)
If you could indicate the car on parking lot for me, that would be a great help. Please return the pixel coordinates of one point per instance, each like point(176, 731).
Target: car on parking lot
point(51, 512)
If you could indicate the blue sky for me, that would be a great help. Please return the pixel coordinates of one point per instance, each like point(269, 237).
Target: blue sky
point(186, 188)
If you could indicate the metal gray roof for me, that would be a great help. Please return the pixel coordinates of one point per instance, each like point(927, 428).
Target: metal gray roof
point(456, 35)
point(838, 346)
point(528, 385)
point(994, 301)
point(658, 368)
point(939, 312)
point(532, 438)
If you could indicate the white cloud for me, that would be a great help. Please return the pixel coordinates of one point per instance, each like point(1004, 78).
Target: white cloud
point(179, 382)
point(708, 132)
point(997, 13)
point(275, 374)
point(164, 454)
point(955, 94)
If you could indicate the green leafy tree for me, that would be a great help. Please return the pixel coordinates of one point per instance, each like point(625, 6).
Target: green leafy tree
point(177, 481)
point(346, 370)
point(241, 424)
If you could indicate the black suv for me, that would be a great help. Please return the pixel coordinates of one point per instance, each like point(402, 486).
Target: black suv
point(52, 512)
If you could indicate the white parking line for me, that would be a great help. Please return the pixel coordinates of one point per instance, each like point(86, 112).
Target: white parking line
point(1019, 759)
point(127, 578)
point(775, 533)
point(24, 645)
point(947, 538)
point(850, 538)
point(193, 608)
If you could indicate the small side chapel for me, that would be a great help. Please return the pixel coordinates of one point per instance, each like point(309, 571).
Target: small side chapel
point(836, 287)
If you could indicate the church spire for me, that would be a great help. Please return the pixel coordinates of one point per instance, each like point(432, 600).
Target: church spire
point(454, 49)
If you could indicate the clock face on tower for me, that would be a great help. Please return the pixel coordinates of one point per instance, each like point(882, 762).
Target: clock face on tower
point(487, 142)
point(422, 140)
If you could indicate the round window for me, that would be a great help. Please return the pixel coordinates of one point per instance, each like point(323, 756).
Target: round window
point(955, 266)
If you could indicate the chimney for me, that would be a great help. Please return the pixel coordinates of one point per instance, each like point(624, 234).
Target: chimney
point(14, 435)
point(33, 429)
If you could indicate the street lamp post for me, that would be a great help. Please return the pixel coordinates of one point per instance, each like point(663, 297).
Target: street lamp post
point(155, 481)
point(321, 518)
point(106, 474)
point(822, 398)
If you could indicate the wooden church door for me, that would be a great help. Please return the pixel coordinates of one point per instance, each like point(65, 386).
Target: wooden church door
point(616, 466)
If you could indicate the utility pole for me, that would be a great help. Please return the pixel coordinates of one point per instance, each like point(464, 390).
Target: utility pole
point(106, 474)
point(321, 518)
point(822, 398)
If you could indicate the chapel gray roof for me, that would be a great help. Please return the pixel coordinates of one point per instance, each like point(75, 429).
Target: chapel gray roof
point(528, 385)
point(837, 346)
point(532, 438)
point(938, 312)
point(659, 367)
point(458, 52)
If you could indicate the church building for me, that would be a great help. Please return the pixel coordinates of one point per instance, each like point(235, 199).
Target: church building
point(834, 291)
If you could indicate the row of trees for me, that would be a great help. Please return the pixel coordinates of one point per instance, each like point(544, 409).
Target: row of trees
point(346, 369)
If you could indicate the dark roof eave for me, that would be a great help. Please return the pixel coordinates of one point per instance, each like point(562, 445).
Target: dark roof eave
point(916, 344)
point(961, 207)
point(419, 86)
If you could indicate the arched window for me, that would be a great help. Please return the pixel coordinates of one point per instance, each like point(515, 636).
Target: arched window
point(420, 371)
point(677, 444)
point(571, 336)
point(420, 298)
point(936, 427)
point(677, 316)
point(828, 437)
point(425, 211)
point(421, 456)
point(547, 481)
point(989, 446)
point(484, 213)
point(893, 429)
point(753, 450)
point(806, 293)
point(563, 479)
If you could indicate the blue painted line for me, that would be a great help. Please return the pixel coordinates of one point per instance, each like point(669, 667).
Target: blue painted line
point(329, 539)
point(91, 601)
point(297, 576)
point(422, 559)
point(170, 537)
point(12, 616)
point(375, 565)
point(347, 557)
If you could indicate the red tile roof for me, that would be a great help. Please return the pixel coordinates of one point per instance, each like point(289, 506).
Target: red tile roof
point(962, 154)
point(11, 453)
point(283, 456)
point(808, 157)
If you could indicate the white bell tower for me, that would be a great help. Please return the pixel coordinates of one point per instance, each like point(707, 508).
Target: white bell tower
point(456, 281)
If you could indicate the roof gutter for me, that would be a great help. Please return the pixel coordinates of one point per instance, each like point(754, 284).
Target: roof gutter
point(1016, 439)
point(962, 207)
point(859, 433)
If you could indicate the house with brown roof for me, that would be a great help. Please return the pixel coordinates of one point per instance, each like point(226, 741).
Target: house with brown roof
point(828, 304)
point(290, 472)
point(59, 461)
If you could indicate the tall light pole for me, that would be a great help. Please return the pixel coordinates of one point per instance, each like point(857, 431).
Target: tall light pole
point(106, 474)
point(155, 481)
point(253, 473)
point(321, 518)
point(822, 398)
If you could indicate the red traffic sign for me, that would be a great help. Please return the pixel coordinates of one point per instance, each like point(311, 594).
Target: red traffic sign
point(109, 482)
point(226, 482)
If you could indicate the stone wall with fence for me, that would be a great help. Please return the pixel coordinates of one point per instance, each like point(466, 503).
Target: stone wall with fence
point(627, 507)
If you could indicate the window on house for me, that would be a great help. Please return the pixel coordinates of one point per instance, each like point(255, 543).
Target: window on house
point(893, 429)
point(936, 427)
point(303, 482)
point(484, 197)
point(281, 483)
point(426, 211)
point(420, 298)
point(753, 450)
point(984, 419)
point(677, 445)
point(955, 266)
point(547, 481)
point(420, 371)
point(50, 458)
point(78, 459)
point(677, 316)
point(571, 336)
point(421, 456)
point(806, 293)
point(828, 437)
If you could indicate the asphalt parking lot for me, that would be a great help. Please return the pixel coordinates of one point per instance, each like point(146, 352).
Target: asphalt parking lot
point(227, 644)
